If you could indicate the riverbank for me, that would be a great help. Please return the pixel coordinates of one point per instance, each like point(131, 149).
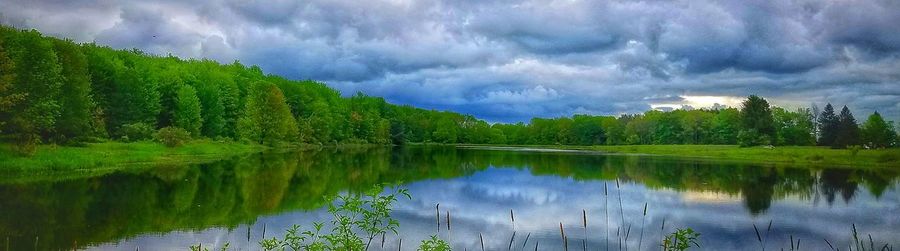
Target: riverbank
point(112, 155)
point(803, 155)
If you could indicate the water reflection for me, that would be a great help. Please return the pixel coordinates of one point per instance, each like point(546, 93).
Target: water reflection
point(173, 207)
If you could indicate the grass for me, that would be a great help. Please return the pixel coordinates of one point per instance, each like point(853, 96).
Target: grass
point(780, 154)
point(806, 155)
point(96, 157)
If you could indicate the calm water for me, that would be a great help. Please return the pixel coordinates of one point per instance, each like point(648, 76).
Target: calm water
point(171, 208)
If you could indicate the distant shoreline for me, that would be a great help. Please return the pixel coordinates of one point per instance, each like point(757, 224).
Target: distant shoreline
point(800, 155)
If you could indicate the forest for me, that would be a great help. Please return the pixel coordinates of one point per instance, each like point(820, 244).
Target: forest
point(56, 91)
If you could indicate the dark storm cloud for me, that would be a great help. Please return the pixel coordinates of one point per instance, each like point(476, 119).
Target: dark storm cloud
point(513, 60)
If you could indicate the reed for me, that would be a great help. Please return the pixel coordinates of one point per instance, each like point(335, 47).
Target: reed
point(526, 240)
point(264, 231)
point(662, 230)
point(759, 238)
point(584, 227)
point(448, 220)
point(536, 244)
point(565, 239)
point(382, 241)
point(641, 238)
point(511, 240)
point(449, 233)
point(606, 212)
point(622, 214)
point(829, 244)
point(400, 244)
point(481, 237)
point(437, 215)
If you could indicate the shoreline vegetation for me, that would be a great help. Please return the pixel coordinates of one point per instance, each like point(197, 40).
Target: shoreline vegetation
point(799, 155)
point(113, 156)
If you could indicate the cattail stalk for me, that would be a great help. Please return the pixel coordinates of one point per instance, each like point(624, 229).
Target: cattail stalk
point(482, 241)
point(584, 227)
point(437, 215)
point(621, 212)
point(641, 238)
point(606, 211)
point(526, 240)
point(565, 240)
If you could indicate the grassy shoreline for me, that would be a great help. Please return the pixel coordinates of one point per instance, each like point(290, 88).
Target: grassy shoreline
point(802, 155)
point(113, 155)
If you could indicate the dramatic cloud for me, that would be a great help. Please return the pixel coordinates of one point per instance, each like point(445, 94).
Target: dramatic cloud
point(513, 60)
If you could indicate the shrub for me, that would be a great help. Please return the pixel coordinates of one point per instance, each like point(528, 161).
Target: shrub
point(136, 132)
point(752, 138)
point(681, 239)
point(172, 136)
point(434, 244)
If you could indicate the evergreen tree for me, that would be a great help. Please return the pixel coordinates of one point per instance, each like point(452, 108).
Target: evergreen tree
point(848, 130)
point(828, 126)
point(877, 133)
point(76, 106)
point(756, 119)
point(187, 110)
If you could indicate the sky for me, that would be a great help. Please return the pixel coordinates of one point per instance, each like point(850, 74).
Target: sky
point(509, 61)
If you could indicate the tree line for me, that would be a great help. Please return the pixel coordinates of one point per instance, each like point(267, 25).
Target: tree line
point(57, 91)
point(754, 123)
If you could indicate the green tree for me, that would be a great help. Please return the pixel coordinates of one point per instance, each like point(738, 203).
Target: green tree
point(187, 110)
point(847, 131)
point(756, 116)
point(725, 126)
point(8, 98)
point(267, 118)
point(877, 133)
point(828, 126)
point(446, 131)
point(793, 128)
point(38, 80)
point(76, 105)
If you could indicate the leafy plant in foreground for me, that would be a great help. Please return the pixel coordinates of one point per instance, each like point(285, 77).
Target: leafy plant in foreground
point(434, 244)
point(681, 239)
point(356, 219)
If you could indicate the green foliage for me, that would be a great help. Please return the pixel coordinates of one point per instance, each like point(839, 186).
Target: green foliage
point(136, 132)
point(828, 126)
point(681, 239)
point(434, 244)
point(172, 136)
point(793, 128)
point(446, 131)
point(876, 133)
point(356, 219)
point(201, 248)
point(187, 110)
point(75, 100)
point(267, 118)
point(757, 116)
point(751, 137)
point(847, 130)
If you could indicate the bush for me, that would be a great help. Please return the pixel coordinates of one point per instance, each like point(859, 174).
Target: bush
point(751, 137)
point(681, 239)
point(172, 136)
point(434, 244)
point(136, 132)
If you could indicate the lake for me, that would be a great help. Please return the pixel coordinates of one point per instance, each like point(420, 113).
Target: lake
point(174, 207)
